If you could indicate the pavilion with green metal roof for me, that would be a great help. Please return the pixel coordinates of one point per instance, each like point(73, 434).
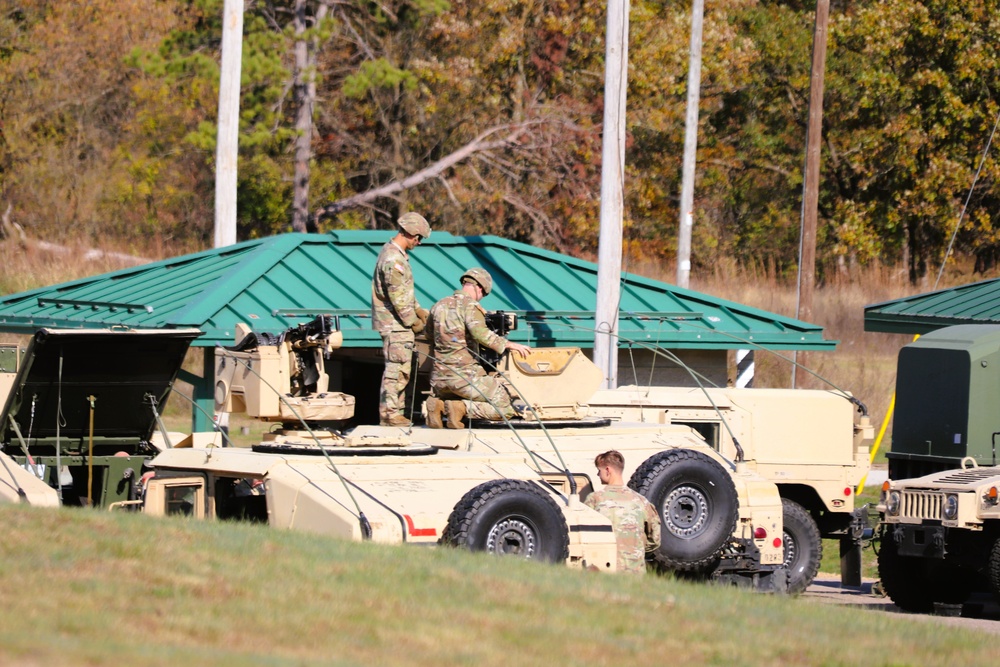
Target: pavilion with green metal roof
point(273, 283)
point(975, 303)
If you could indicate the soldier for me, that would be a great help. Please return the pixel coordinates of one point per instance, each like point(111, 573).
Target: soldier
point(636, 523)
point(458, 328)
point(397, 315)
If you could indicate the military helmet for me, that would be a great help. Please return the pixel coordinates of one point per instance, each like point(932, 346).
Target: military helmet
point(481, 277)
point(415, 224)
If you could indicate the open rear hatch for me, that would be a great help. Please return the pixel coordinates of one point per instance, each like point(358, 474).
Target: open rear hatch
point(83, 398)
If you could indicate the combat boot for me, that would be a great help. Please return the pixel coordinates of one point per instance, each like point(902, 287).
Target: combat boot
point(396, 420)
point(455, 411)
point(435, 408)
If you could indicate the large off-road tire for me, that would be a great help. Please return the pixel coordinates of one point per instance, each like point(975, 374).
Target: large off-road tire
point(803, 546)
point(993, 570)
point(509, 517)
point(904, 579)
point(915, 584)
point(697, 503)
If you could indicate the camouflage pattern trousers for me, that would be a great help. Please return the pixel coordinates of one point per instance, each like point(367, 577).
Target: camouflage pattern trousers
point(397, 348)
point(486, 396)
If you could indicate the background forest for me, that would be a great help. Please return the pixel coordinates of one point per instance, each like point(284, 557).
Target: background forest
point(486, 116)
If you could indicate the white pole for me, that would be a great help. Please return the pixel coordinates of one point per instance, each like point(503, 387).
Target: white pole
point(227, 143)
point(686, 224)
point(609, 254)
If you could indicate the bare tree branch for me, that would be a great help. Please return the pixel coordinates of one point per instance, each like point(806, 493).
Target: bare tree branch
point(477, 145)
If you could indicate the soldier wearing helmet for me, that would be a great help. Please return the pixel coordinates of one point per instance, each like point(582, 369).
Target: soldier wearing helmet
point(397, 315)
point(459, 384)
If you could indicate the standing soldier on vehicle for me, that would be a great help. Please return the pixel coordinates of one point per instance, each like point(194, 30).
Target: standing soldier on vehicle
point(458, 328)
point(635, 521)
point(396, 315)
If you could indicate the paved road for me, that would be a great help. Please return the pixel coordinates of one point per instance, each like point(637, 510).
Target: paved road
point(983, 615)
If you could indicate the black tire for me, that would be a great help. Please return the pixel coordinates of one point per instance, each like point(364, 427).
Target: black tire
point(509, 517)
point(905, 580)
point(993, 570)
point(697, 503)
point(915, 584)
point(803, 546)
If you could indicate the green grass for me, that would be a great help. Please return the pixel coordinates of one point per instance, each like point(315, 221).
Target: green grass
point(81, 587)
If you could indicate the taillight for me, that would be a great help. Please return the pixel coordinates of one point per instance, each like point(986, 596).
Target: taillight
point(759, 533)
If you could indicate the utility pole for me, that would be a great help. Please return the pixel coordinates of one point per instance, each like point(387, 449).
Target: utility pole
point(227, 142)
point(686, 223)
point(609, 252)
point(810, 191)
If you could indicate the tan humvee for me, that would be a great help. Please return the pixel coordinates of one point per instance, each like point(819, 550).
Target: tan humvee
point(486, 487)
point(808, 442)
point(939, 540)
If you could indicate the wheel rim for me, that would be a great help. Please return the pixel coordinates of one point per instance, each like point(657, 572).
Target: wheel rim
point(512, 537)
point(791, 550)
point(685, 511)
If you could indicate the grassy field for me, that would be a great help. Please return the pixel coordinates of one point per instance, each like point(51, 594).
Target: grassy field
point(81, 587)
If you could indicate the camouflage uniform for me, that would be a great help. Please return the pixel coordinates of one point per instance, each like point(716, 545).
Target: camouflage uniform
point(636, 524)
point(394, 312)
point(458, 326)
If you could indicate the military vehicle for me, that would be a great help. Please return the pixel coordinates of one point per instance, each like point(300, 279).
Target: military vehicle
point(80, 410)
point(503, 488)
point(814, 445)
point(940, 509)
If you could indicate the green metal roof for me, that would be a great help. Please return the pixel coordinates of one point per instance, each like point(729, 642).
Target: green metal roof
point(977, 303)
point(280, 281)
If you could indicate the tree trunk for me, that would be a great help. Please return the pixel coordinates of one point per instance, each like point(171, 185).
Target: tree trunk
point(304, 97)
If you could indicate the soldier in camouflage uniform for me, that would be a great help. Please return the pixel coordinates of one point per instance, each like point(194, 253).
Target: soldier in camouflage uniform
point(459, 383)
point(635, 521)
point(397, 315)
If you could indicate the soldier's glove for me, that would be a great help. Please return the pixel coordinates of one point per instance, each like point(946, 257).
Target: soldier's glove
point(421, 323)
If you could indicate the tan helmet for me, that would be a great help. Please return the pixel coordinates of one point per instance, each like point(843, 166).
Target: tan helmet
point(481, 277)
point(414, 224)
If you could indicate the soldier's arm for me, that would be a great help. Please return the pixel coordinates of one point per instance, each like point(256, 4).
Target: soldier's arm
point(652, 528)
point(475, 325)
point(398, 283)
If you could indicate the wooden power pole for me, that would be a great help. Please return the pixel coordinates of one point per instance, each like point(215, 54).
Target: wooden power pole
point(685, 227)
point(227, 142)
point(810, 191)
point(609, 250)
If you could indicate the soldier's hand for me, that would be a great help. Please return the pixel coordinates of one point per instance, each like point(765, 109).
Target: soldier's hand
point(423, 314)
point(418, 326)
point(518, 349)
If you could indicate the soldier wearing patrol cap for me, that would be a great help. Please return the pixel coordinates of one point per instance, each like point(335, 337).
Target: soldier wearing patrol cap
point(459, 384)
point(397, 315)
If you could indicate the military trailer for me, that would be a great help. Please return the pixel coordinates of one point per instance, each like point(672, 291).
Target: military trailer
point(80, 411)
point(814, 445)
point(940, 516)
point(418, 484)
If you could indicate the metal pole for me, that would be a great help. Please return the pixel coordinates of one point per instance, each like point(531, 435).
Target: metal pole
point(609, 254)
point(686, 224)
point(227, 143)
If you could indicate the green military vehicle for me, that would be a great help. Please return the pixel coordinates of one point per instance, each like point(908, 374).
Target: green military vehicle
point(814, 445)
point(502, 488)
point(940, 509)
